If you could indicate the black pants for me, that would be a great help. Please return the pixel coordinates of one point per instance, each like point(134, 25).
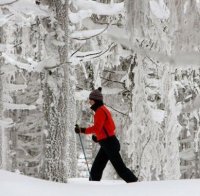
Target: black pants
point(110, 151)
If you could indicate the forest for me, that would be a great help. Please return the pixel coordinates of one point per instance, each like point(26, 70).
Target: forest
point(145, 56)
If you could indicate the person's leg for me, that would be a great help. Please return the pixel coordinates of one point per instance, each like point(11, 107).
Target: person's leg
point(112, 148)
point(98, 166)
point(121, 168)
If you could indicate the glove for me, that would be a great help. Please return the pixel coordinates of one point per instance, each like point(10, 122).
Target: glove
point(94, 138)
point(79, 129)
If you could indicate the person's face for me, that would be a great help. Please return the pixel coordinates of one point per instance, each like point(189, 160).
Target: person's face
point(91, 102)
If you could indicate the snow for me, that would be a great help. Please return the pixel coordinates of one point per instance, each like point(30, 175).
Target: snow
point(118, 35)
point(39, 101)
point(3, 19)
point(111, 91)
point(19, 185)
point(11, 59)
point(82, 95)
point(12, 106)
point(28, 7)
point(186, 6)
point(79, 16)
point(14, 87)
point(6, 1)
point(86, 34)
point(158, 115)
point(6, 122)
point(159, 9)
point(22, 12)
point(100, 8)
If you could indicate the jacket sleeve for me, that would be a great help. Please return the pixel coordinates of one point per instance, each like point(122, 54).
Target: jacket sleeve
point(99, 119)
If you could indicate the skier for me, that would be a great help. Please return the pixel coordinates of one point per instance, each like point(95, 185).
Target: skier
point(104, 133)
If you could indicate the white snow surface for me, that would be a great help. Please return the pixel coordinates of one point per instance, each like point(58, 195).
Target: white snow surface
point(14, 184)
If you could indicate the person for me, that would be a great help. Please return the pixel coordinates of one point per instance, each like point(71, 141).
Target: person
point(104, 133)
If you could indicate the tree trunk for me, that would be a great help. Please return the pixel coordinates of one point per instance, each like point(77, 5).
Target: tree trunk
point(1, 116)
point(59, 107)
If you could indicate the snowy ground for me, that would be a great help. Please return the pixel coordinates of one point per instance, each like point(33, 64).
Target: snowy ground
point(12, 184)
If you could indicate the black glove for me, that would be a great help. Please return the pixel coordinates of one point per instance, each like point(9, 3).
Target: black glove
point(79, 129)
point(94, 138)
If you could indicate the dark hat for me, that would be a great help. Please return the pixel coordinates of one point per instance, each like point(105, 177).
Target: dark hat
point(96, 95)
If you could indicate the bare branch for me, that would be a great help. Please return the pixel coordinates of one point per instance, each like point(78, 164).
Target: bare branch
point(96, 53)
point(105, 70)
point(105, 23)
point(112, 80)
point(93, 35)
point(55, 66)
point(152, 61)
point(76, 51)
point(109, 48)
point(117, 110)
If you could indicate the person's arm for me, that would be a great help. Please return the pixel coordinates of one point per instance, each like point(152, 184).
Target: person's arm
point(99, 119)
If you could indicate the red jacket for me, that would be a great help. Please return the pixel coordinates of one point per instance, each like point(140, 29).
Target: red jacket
point(104, 125)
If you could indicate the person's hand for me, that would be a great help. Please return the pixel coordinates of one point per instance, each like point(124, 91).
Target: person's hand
point(79, 129)
point(94, 138)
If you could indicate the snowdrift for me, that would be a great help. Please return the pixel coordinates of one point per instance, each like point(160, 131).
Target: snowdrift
point(12, 184)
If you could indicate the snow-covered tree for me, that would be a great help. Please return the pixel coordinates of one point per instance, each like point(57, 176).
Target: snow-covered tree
point(147, 22)
point(32, 43)
point(161, 32)
point(59, 107)
point(1, 117)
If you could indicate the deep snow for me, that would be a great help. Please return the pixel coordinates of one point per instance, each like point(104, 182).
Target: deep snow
point(13, 184)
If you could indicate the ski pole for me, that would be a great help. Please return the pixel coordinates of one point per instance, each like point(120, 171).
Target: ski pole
point(84, 155)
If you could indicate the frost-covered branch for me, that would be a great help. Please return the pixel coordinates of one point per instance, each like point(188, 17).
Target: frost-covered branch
point(12, 60)
point(118, 35)
point(14, 87)
point(115, 81)
point(100, 8)
point(8, 2)
point(12, 106)
point(192, 105)
point(3, 20)
point(7, 122)
point(79, 16)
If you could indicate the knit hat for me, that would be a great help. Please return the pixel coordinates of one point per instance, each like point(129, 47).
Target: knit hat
point(96, 95)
